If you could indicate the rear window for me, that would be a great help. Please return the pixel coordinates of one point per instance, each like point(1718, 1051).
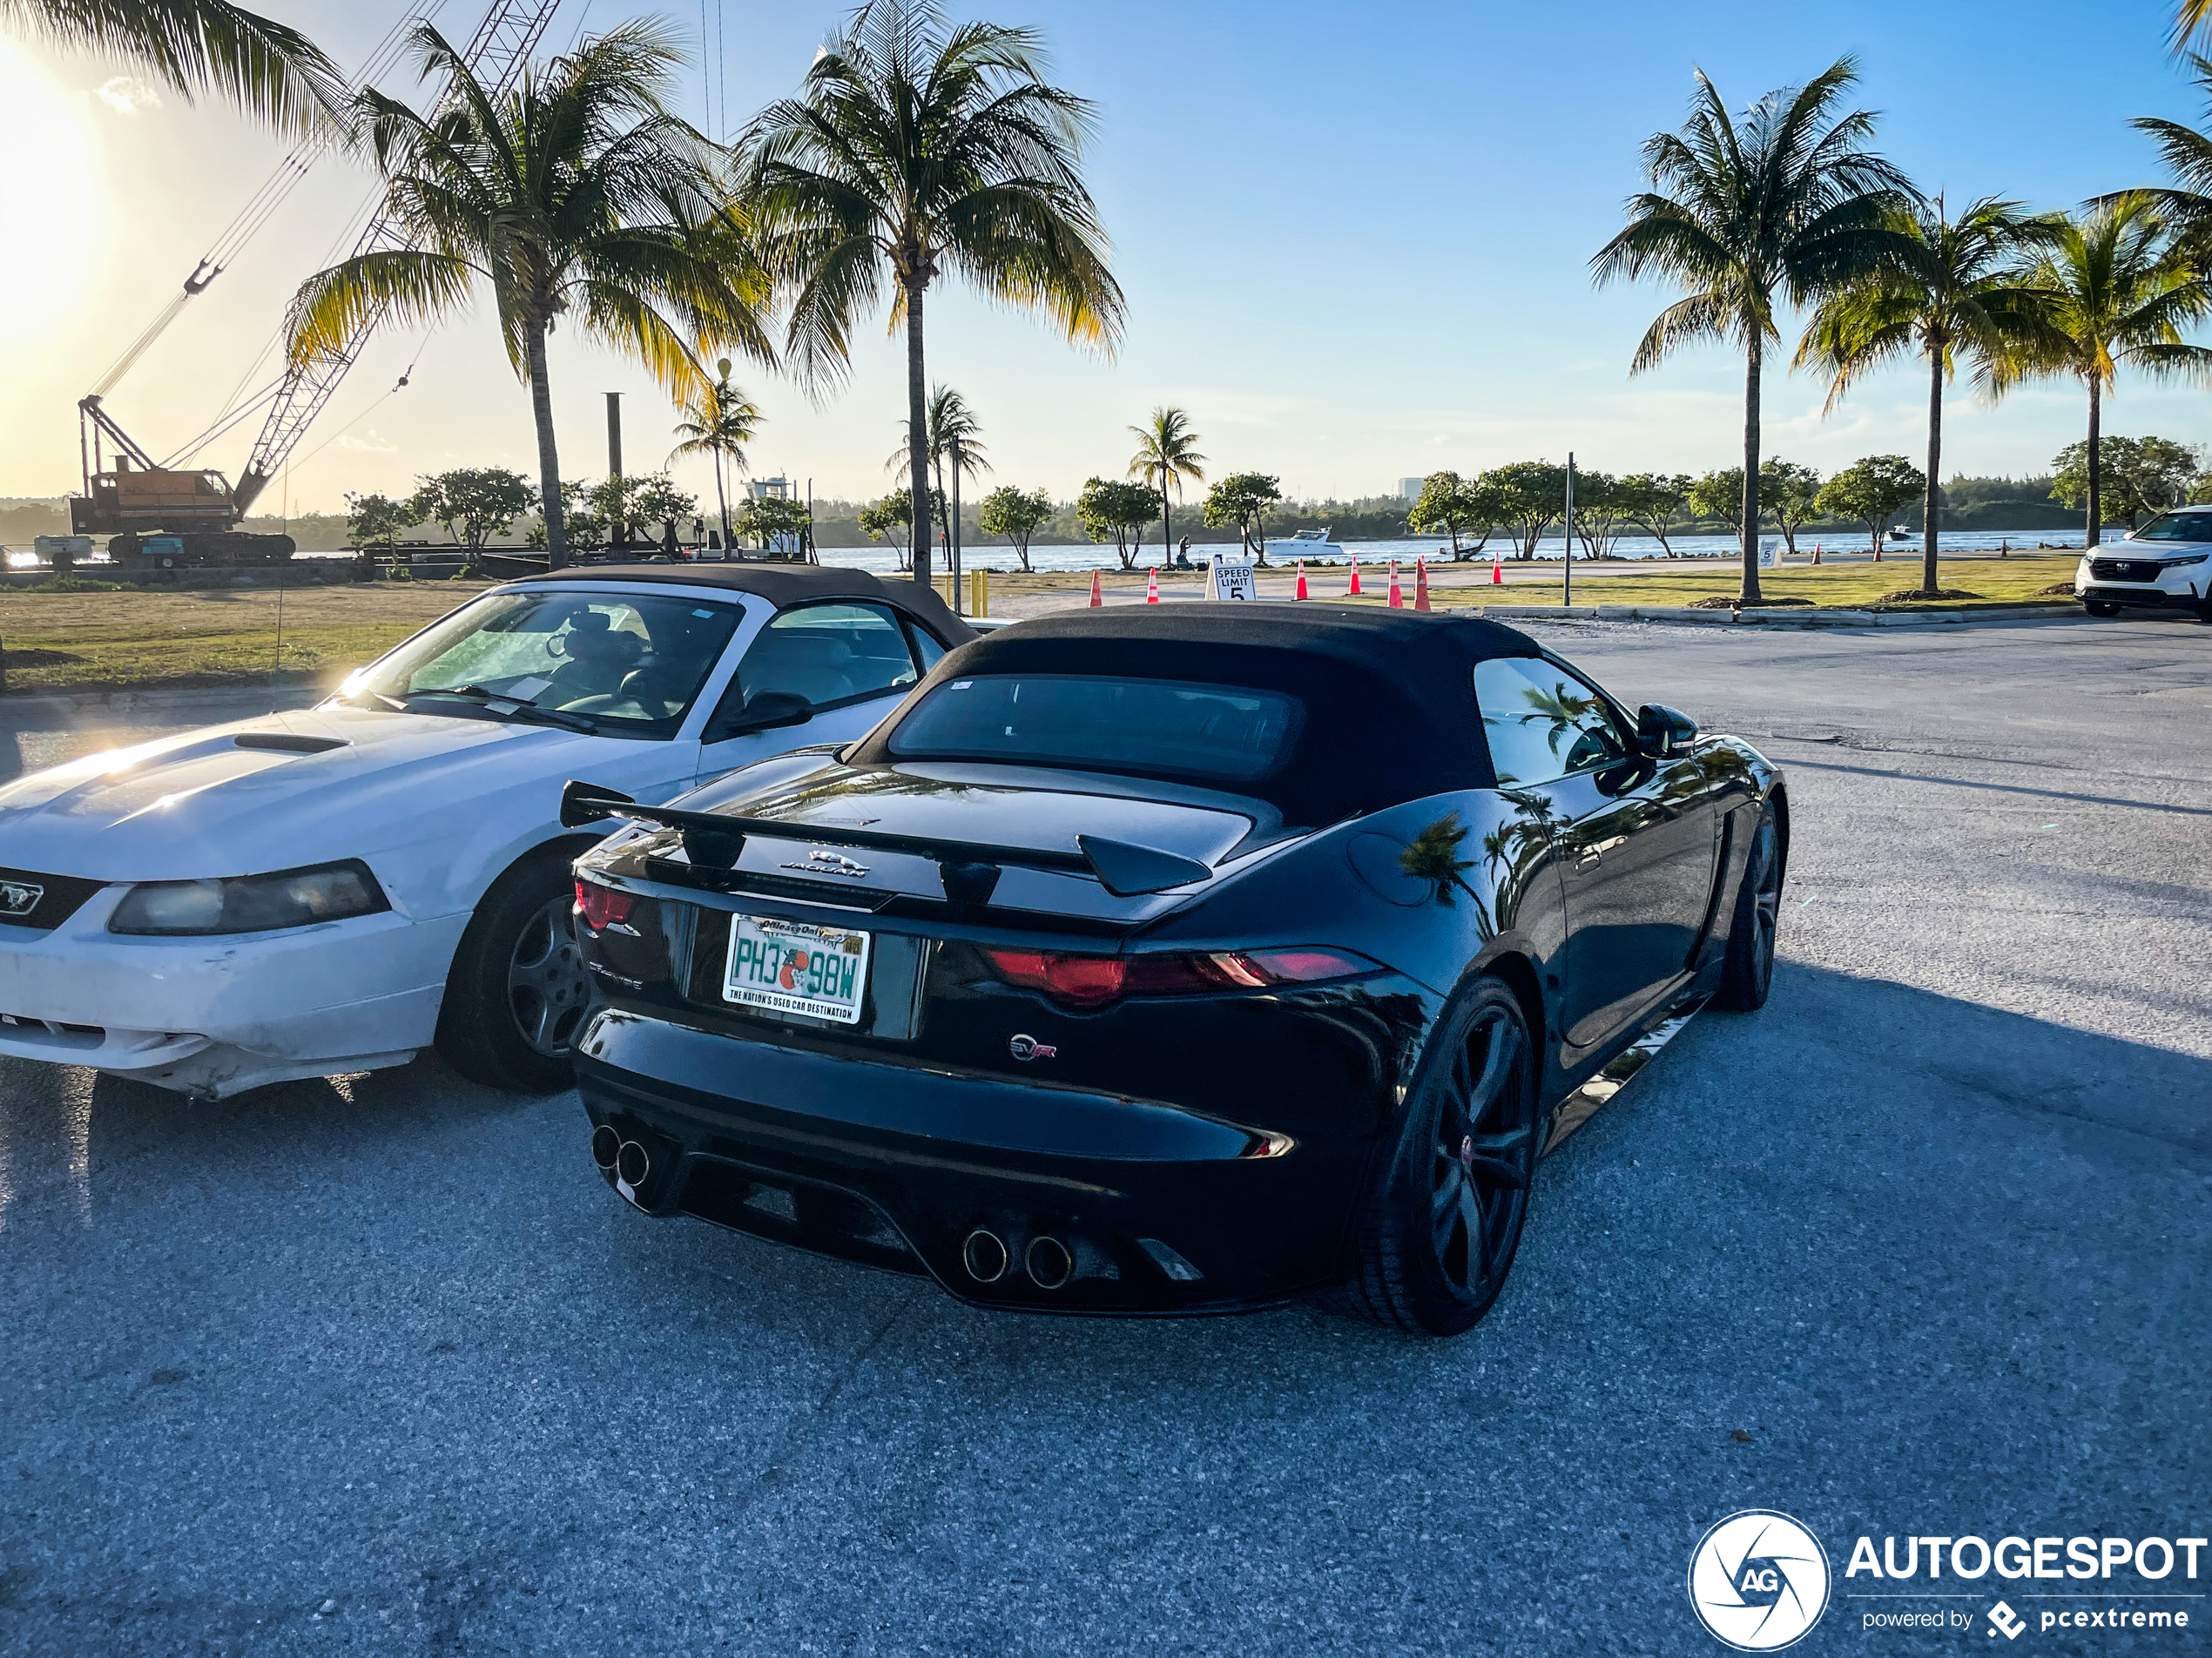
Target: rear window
point(1164, 728)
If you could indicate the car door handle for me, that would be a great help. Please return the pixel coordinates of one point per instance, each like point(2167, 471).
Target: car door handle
point(1590, 858)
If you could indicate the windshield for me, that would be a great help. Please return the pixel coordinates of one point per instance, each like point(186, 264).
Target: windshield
point(2186, 525)
point(627, 664)
point(1161, 728)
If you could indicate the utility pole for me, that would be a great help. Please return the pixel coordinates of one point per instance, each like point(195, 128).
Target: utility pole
point(1567, 546)
point(619, 530)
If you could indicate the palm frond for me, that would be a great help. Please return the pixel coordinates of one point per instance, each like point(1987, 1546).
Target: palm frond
point(268, 68)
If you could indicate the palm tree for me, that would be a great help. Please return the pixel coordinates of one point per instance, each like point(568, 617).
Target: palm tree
point(579, 192)
point(2188, 155)
point(2191, 23)
point(1787, 201)
point(2115, 287)
point(952, 427)
point(915, 149)
point(268, 68)
point(719, 421)
point(1165, 444)
point(1951, 288)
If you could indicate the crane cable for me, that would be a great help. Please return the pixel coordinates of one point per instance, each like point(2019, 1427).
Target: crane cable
point(263, 203)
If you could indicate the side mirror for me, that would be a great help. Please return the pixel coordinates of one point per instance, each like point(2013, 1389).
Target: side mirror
point(765, 710)
point(1663, 732)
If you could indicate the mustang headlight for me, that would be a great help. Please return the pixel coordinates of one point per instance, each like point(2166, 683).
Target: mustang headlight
point(250, 903)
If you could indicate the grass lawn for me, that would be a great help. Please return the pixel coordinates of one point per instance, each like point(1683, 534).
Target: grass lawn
point(143, 641)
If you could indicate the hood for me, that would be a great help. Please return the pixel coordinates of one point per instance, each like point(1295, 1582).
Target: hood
point(356, 781)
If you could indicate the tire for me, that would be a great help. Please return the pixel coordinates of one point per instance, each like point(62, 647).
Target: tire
point(1441, 1219)
point(518, 989)
point(2097, 607)
point(1747, 971)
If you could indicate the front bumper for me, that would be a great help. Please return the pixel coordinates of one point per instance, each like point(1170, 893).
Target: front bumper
point(898, 1165)
point(2183, 586)
point(215, 1016)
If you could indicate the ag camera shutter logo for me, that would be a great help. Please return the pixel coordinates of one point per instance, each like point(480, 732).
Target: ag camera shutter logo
point(1758, 1580)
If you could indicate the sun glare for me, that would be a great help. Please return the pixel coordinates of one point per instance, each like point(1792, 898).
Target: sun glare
point(46, 187)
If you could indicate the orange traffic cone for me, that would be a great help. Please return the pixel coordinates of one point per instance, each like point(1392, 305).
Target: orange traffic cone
point(1152, 588)
point(1420, 584)
point(1816, 552)
point(1397, 598)
point(1497, 574)
point(1097, 599)
point(1301, 579)
point(1352, 592)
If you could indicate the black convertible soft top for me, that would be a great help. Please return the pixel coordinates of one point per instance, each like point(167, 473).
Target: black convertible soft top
point(782, 585)
point(1389, 695)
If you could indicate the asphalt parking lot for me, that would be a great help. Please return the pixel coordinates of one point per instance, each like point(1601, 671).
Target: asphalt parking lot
point(378, 1364)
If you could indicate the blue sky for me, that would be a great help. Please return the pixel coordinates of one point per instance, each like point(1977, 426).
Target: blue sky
point(1354, 242)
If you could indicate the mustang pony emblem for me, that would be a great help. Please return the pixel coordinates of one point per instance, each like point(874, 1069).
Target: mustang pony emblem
point(830, 863)
point(19, 898)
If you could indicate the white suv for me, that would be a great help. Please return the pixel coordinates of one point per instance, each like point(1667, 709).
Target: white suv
point(2166, 564)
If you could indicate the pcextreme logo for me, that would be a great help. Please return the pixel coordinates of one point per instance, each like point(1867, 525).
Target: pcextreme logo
point(1758, 1580)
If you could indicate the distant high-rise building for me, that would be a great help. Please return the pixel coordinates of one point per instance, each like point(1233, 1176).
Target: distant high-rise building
point(1410, 488)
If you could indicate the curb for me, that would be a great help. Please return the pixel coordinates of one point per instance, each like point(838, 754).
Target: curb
point(1790, 617)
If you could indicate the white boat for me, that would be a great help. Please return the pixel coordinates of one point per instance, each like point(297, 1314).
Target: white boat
point(1303, 543)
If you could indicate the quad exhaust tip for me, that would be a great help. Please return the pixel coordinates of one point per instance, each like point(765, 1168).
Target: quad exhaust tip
point(606, 1145)
point(985, 1255)
point(632, 1165)
point(1049, 1263)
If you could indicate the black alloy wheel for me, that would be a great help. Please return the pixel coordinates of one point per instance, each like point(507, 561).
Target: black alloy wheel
point(1747, 972)
point(517, 991)
point(1439, 1231)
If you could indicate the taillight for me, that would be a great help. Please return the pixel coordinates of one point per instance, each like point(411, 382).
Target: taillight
point(602, 905)
point(1087, 981)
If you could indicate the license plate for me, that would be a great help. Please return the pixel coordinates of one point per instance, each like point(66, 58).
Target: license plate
point(794, 968)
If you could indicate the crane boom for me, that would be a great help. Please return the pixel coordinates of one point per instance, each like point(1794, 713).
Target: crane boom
point(497, 52)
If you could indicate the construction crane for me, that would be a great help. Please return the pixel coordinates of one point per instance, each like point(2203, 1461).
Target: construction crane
point(160, 516)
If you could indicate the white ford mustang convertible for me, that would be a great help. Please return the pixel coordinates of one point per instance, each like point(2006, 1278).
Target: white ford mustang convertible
point(311, 894)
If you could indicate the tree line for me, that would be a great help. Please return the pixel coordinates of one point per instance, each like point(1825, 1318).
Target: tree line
point(1525, 501)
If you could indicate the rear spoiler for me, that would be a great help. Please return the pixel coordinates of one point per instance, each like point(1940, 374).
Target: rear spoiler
point(970, 869)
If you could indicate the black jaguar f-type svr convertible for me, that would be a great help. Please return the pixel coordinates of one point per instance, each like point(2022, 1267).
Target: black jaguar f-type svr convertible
point(1171, 960)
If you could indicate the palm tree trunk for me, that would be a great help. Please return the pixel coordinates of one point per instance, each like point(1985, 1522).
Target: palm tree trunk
point(917, 433)
point(1930, 515)
point(1167, 521)
point(1753, 362)
point(548, 463)
point(722, 499)
point(2094, 532)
